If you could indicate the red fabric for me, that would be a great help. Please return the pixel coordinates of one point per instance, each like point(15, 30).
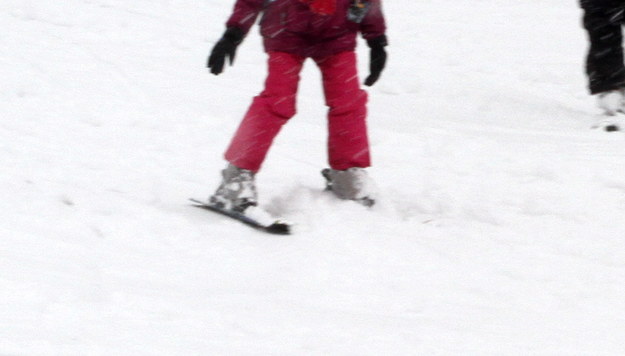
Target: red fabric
point(321, 7)
point(290, 25)
point(348, 144)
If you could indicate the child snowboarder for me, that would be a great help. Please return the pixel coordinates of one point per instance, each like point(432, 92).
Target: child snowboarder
point(603, 20)
point(293, 30)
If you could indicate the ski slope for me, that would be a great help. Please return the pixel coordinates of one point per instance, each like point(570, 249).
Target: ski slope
point(500, 230)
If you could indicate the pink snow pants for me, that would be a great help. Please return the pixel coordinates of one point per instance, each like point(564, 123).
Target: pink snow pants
point(348, 145)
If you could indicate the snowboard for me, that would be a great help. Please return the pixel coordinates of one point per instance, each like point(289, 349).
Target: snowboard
point(608, 123)
point(252, 218)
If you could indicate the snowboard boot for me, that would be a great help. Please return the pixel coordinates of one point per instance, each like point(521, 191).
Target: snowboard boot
point(351, 184)
point(612, 102)
point(237, 190)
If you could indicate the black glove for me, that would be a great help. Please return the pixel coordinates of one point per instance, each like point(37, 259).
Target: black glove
point(377, 59)
point(225, 47)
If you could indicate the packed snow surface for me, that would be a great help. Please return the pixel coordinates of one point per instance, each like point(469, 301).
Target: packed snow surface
point(500, 229)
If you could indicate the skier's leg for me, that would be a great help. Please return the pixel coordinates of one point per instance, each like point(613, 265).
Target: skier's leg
point(604, 63)
point(269, 111)
point(348, 144)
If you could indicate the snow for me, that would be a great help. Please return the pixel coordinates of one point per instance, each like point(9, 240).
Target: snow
point(499, 231)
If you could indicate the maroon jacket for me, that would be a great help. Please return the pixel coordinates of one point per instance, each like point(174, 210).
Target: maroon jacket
point(289, 26)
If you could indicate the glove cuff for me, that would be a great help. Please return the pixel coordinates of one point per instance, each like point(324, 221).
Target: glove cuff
point(378, 42)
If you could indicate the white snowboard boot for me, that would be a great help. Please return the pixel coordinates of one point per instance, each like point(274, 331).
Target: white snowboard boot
point(237, 190)
point(351, 184)
point(612, 101)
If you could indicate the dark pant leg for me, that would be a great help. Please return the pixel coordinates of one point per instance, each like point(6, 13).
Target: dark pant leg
point(604, 64)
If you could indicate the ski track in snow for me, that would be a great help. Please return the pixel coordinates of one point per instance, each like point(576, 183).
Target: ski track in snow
point(499, 230)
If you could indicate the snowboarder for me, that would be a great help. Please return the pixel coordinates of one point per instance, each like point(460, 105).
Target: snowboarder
point(603, 20)
point(292, 31)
